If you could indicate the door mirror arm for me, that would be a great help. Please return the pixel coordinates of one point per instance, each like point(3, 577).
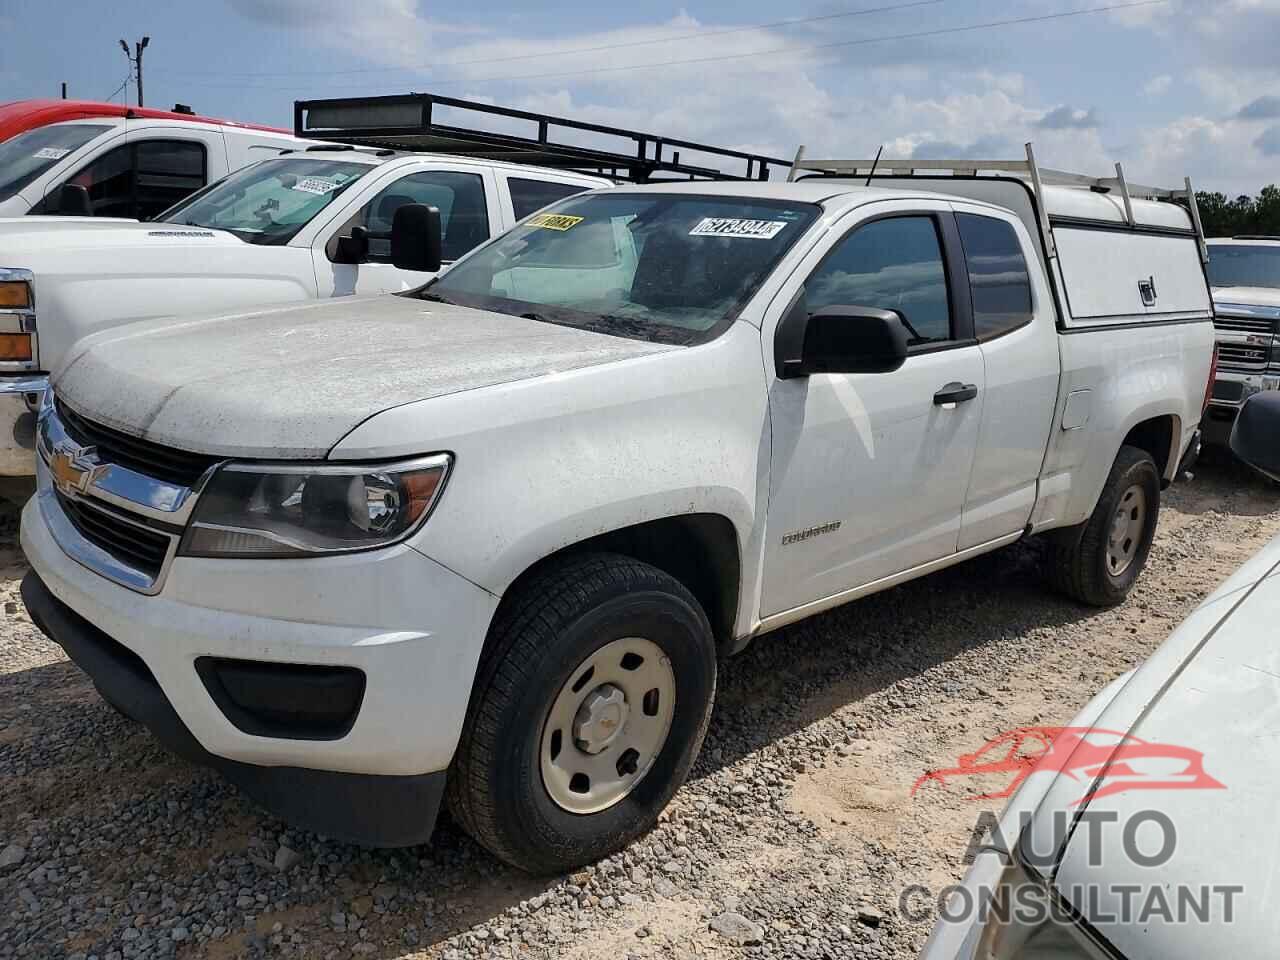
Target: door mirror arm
point(838, 339)
point(353, 248)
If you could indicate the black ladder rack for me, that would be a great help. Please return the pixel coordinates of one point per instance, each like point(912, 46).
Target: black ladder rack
point(406, 122)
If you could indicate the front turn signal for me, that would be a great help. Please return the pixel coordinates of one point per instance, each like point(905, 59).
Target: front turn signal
point(15, 294)
point(15, 346)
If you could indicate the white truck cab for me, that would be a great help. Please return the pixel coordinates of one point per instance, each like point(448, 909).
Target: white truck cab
point(489, 538)
point(131, 162)
point(272, 232)
point(1245, 276)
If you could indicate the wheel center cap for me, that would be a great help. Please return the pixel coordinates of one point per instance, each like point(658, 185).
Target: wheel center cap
point(600, 719)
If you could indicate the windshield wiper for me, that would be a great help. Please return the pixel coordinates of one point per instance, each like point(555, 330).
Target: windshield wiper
point(437, 298)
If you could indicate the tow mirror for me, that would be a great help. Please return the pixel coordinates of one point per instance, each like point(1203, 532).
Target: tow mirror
point(73, 201)
point(840, 339)
point(416, 238)
point(1255, 438)
point(353, 248)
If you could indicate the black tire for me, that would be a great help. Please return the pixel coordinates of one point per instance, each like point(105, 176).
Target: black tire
point(540, 637)
point(1077, 556)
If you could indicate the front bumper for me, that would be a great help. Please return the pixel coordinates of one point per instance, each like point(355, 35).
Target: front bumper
point(19, 403)
point(412, 627)
point(361, 808)
point(1230, 391)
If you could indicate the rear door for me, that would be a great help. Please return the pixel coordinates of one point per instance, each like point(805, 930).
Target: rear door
point(1014, 321)
point(470, 213)
point(869, 471)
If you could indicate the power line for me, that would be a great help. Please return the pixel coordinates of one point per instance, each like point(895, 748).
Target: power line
point(917, 35)
point(867, 11)
point(123, 83)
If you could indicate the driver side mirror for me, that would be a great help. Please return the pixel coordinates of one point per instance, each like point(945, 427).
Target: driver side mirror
point(417, 238)
point(1255, 438)
point(73, 201)
point(839, 339)
point(353, 248)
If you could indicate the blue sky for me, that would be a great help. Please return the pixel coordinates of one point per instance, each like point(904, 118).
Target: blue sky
point(1169, 88)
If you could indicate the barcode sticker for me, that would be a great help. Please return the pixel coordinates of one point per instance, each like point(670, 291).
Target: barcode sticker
point(51, 153)
point(741, 229)
point(553, 221)
point(317, 185)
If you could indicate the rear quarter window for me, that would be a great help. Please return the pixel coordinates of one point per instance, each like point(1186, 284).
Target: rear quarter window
point(998, 277)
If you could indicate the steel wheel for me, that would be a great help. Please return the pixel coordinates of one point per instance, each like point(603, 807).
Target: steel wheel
point(607, 725)
point(1125, 535)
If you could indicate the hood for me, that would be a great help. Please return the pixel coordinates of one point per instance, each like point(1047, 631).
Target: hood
point(291, 382)
point(1203, 724)
point(20, 237)
point(1250, 296)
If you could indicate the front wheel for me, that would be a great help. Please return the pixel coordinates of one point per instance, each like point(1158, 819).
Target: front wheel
point(1099, 561)
point(589, 710)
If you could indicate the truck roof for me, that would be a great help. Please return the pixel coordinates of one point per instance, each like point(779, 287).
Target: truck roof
point(376, 156)
point(19, 116)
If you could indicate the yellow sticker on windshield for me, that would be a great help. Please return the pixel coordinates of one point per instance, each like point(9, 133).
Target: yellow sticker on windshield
point(553, 221)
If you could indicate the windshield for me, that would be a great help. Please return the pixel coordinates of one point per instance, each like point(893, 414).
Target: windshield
point(1238, 265)
point(25, 157)
point(674, 268)
point(269, 202)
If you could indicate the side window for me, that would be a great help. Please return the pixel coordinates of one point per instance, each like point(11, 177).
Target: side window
point(168, 171)
point(143, 179)
point(891, 264)
point(998, 275)
point(530, 196)
point(109, 180)
point(464, 214)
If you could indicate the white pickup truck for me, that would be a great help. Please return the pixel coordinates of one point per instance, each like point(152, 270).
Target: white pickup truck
point(312, 224)
point(1245, 276)
point(489, 537)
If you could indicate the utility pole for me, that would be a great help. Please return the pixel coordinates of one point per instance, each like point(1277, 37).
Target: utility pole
point(64, 89)
point(135, 60)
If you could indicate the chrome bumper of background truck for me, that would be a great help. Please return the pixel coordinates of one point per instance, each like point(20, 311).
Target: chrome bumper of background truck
point(19, 404)
point(1230, 391)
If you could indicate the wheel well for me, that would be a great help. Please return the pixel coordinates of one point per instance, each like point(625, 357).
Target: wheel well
point(1156, 437)
point(698, 549)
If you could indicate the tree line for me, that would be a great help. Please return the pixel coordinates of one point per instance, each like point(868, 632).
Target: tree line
point(1244, 215)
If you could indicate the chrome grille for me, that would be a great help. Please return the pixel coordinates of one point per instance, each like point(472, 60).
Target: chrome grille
point(1238, 356)
point(142, 549)
point(149, 459)
point(1260, 325)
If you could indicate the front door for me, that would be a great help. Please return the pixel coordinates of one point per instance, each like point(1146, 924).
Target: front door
point(869, 471)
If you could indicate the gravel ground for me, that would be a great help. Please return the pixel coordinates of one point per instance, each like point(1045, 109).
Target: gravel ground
point(793, 838)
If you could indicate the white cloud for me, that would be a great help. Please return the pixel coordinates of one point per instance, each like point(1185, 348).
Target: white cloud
point(1158, 86)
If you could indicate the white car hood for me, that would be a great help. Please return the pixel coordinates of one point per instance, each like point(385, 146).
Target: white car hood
point(21, 237)
point(291, 382)
point(1250, 296)
point(1214, 687)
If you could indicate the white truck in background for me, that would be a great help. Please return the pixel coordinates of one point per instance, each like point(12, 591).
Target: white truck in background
point(76, 157)
point(1244, 273)
point(489, 538)
point(311, 224)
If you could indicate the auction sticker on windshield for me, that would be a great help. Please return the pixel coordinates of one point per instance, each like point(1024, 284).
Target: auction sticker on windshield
point(51, 153)
point(743, 229)
point(317, 185)
point(553, 221)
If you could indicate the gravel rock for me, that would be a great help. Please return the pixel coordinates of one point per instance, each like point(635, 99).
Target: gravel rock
point(737, 929)
point(287, 858)
point(12, 855)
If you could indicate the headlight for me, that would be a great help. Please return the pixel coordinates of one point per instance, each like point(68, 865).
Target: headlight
point(1027, 922)
point(257, 510)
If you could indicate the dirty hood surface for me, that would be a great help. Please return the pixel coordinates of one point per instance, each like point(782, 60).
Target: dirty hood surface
point(1218, 697)
point(291, 382)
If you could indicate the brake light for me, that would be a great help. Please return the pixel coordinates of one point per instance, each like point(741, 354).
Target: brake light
point(1213, 377)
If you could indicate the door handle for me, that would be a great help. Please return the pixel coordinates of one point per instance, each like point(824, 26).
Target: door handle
point(954, 393)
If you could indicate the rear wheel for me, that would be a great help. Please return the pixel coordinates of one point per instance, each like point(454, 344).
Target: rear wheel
point(1099, 561)
point(588, 712)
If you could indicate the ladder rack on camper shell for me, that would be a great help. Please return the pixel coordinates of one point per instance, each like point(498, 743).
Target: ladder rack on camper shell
point(409, 122)
point(1027, 169)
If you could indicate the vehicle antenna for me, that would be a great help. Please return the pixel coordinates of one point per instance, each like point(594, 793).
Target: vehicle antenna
point(875, 163)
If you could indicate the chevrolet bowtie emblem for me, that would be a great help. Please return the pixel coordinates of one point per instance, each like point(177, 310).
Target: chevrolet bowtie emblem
point(75, 468)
